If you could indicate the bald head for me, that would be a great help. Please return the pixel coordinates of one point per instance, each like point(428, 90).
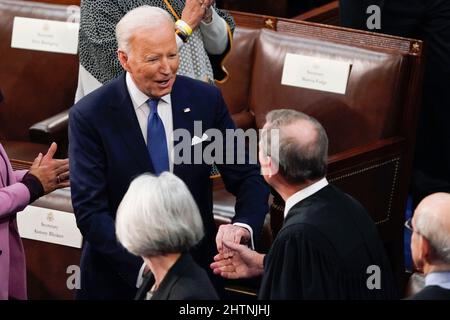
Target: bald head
point(303, 145)
point(432, 220)
point(301, 131)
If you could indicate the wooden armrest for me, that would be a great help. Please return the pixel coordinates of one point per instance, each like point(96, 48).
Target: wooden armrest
point(368, 152)
point(326, 14)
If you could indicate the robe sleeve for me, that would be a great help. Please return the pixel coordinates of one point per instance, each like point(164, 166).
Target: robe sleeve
point(299, 266)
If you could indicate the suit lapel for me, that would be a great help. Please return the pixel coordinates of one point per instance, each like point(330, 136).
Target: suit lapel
point(127, 123)
point(181, 104)
point(181, 116)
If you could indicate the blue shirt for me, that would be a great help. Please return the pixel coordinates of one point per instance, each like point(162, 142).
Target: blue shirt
point(441, 279)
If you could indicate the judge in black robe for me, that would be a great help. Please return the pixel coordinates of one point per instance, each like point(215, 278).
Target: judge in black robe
point(328, 247)
point(325, 250)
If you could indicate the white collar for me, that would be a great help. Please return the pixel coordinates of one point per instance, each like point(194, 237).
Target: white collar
point(441, 279)
point(303, 194)
point(137, 96)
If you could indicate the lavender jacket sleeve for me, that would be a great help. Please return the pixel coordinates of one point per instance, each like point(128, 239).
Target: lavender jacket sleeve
point(15, 196)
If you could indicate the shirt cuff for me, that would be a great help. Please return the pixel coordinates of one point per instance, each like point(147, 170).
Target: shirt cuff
point(215, 34)
point(140, 278)
point(246, 226)
point(180, 42)
point(34, 186)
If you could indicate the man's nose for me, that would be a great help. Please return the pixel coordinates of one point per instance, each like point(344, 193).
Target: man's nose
point(165, 66)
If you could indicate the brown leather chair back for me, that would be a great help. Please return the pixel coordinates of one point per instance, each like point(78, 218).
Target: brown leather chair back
point(239, 64)
point(236, 87)
point(35, 84)
point(368, 111)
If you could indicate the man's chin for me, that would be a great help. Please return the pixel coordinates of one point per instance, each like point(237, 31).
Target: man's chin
point(158, 93)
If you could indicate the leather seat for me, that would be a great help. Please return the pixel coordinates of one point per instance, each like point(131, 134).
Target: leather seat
point(36, 85)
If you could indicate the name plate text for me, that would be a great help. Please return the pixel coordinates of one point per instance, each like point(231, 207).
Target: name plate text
point(315, 73)
point(45, 35)
point(49, 225)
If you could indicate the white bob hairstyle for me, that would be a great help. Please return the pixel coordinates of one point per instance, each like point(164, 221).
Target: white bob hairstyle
point(140, 17)
point(158, 215)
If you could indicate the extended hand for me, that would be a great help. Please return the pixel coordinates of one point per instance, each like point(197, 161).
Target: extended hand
point(52, 173)
point(244, 263)
point(230, 233)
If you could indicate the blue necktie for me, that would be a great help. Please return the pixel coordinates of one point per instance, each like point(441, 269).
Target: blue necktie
point(156, 139)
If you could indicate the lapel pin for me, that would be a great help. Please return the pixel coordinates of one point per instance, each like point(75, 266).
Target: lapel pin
point(186, 110)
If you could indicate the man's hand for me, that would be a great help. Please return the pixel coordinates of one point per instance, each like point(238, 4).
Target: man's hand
point(244, 263)
point(231, 233)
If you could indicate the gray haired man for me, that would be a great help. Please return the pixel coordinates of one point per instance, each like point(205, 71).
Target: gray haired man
point(430, 245)
point(327, 242)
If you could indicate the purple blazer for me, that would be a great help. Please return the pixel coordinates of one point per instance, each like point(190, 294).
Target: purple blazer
point(14, 196)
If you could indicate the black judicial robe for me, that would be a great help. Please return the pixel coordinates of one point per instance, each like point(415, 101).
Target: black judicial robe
point(323, 251)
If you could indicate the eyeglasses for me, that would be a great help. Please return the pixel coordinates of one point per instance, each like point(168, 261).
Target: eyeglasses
point(408, 225)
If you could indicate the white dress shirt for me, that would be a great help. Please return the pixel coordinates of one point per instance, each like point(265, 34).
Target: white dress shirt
point(303, 194)
point(441, 279)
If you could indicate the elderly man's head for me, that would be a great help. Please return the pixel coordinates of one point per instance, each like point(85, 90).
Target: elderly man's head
point(430, 242)
point(147, 49)
point(158, 216)
point(302, 151)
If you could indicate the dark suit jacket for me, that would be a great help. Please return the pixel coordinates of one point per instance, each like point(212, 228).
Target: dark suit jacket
point(323, 251)
point(107, 150)
point(431, 293)
point(184, 281)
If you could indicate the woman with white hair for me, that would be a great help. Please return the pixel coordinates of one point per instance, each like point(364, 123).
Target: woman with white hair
point(159, 220)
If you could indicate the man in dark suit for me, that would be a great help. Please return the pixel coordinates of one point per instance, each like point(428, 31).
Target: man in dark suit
point(125, 128)
point(428, 20)
point(328, 247)
point(430, 246)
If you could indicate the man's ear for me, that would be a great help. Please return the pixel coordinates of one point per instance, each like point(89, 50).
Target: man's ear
point(426, 251)
point(123, 58)
point(264, 163)
point(269, 166)
point(274, 167)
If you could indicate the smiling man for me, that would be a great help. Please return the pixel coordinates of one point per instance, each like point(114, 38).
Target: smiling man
point(124, 129)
